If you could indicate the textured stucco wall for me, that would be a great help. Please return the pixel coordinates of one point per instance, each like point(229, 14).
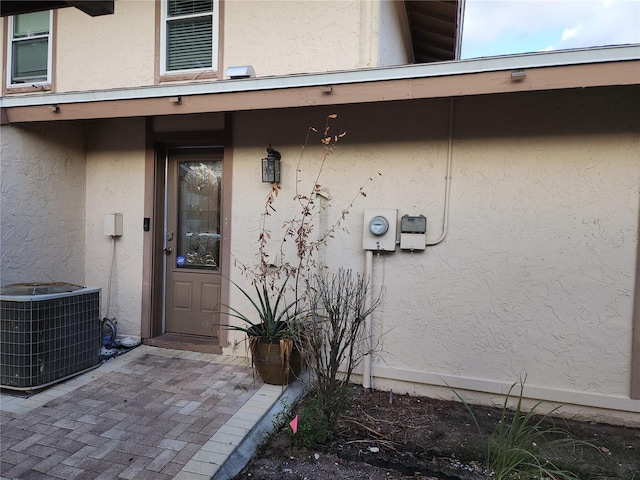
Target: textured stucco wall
point(276, 37)
point(115, 184)
point(394, 42)
point(283, 37)
point(42, 206)
point(536, 274)
point(109, 51)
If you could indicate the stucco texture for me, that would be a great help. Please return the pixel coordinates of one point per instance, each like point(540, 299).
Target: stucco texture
point(327, 36)
point(536, 274)
point(115, 184)
point(394, 39)
point(110, 51)
point(318, 37)
point(42, 207)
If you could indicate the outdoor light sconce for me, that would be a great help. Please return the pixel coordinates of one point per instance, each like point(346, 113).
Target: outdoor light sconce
point(271, 166)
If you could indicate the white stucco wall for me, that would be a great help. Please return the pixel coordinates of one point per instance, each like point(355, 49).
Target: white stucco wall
point(115, 184)
point(42, 203)
point(536, 274)
point(109, 51)
point(394, 40)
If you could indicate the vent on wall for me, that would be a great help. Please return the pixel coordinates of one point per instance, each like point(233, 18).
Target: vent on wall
point(48, 332)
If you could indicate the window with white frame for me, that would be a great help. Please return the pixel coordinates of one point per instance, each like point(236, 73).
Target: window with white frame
point(189, 36)
point(29, 52)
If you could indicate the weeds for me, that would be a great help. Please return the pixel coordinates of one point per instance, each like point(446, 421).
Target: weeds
point(283, 415)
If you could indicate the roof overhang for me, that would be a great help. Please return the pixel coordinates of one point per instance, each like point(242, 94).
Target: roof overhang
point(495, 75)
point(436, 29)
point(93, 8)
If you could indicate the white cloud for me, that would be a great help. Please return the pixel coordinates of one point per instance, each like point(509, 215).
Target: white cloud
point(498, 27)
point(569, 33)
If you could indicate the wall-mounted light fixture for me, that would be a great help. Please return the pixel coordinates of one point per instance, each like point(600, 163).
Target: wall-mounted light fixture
point(271, 166)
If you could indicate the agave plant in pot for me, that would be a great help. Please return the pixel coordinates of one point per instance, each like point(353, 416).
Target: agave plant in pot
point(268, 329)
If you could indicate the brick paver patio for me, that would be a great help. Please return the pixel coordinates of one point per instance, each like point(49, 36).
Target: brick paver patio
point(149, 414)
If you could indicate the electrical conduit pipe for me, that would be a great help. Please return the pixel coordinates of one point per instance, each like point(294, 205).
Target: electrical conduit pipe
point(368, 267)
point(368, 259)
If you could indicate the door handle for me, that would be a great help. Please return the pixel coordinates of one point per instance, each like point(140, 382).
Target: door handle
point(168, 250)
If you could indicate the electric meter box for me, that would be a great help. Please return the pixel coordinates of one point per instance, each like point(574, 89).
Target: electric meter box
point(413, 232)
point(379, 231)
point(113, 224)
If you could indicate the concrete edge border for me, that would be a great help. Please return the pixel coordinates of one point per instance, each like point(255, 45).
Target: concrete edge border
point(246, 449)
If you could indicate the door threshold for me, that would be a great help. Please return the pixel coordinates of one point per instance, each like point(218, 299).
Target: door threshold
point(185, 342)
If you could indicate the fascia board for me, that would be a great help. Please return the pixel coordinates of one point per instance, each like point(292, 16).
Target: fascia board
point(456, 67)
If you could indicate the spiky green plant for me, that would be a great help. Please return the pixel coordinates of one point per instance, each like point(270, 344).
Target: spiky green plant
point(270, 312)
point(515, 449)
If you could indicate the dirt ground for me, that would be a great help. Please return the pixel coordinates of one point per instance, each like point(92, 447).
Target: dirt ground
point(417, 437)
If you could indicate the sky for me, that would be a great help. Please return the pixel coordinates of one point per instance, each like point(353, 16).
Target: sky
point(503, 27)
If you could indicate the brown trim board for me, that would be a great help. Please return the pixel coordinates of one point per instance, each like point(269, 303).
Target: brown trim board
point(537, 79)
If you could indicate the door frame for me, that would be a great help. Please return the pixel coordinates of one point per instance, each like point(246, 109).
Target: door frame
point(157, 145)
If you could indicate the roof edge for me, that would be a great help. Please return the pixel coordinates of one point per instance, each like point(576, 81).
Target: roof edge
point(451, 68)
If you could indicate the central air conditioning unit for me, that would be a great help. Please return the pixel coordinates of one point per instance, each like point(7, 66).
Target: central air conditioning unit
point(48, 332)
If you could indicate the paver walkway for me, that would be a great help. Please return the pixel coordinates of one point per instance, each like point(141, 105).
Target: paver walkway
point(149, 414)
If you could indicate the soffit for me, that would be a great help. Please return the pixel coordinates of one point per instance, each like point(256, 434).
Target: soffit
point(435, 35)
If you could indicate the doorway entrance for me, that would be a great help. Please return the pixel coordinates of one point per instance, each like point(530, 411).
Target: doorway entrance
point(193, 233)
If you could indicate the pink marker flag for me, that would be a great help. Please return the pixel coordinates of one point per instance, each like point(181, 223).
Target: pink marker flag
point(294, 424)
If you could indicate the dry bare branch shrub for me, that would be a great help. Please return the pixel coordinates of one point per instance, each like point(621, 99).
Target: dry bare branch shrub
point(301, 226)
point(330, 337)
point(268, 280)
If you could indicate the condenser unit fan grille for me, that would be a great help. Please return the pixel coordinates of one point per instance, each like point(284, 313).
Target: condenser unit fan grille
point(45, 338)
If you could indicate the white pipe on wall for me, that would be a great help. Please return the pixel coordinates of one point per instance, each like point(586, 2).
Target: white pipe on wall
point(368, 264)
point(368, 268)
point(447, 185)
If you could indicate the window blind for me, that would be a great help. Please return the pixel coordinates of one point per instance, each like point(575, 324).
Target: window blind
point(176, 8)
point(189, 43)
point(189, 34)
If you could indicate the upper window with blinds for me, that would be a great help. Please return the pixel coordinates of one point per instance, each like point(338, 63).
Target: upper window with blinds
point(189, 36)
point(29, 52)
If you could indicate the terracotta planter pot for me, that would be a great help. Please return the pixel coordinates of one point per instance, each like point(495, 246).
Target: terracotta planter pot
point(273, 367)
